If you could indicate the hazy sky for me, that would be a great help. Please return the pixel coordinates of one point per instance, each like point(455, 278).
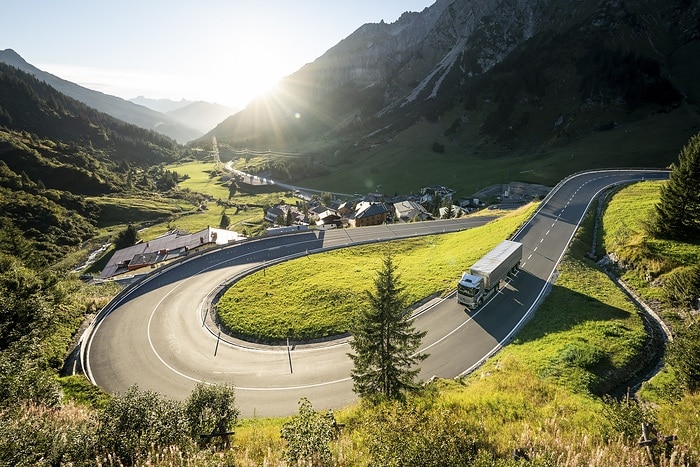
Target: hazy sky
point(215, 50)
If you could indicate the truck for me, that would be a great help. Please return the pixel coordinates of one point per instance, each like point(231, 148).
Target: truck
point(485, 276)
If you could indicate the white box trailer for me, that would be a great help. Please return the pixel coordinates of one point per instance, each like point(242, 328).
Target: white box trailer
point(486, 274)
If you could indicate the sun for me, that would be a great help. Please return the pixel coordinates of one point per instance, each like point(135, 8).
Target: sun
point(251, 73)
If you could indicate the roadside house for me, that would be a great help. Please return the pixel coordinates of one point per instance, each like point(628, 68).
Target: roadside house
point(275, 213)
point(329, 217)
point(407, 211)
point(169, 246)
point(369, 214)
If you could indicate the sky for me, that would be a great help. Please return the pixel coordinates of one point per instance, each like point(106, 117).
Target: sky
point(213, 50)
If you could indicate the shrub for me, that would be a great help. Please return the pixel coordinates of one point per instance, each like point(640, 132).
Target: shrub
point(132, 425)
point(403, 434)
point(308, 434)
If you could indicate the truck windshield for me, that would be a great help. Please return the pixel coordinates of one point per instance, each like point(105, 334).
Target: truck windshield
point(467, 290)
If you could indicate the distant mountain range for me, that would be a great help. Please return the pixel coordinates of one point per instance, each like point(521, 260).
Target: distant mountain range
point(161, 105)
point(182, 126)
point(200, 115)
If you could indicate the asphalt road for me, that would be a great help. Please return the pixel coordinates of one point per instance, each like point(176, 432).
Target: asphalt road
point(155, 336)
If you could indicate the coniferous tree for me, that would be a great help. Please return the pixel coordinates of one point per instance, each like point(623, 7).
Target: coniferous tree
point(126, 237)
point(678, 210)
point(384, 340)
point(225, 221)
point(326, 198)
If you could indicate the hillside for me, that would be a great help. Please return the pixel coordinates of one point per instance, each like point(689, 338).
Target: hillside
point(118, 108)
point(200, 115)
point(53, 151)
point(485, 80)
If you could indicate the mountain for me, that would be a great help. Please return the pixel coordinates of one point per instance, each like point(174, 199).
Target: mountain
point(119, 108)
point(67, 145)
point(486, 79)
point(201, 115)
point(55, 150)
point(160, 105)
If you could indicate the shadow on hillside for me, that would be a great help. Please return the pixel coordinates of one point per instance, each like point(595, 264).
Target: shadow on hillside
point(563, 310)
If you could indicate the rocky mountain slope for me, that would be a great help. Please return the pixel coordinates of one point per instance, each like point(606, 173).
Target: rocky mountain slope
point(513, 76)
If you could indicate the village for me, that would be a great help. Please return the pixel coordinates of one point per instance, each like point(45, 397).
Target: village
point(321, 212)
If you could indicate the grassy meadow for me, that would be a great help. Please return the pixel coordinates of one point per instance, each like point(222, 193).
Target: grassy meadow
point(195, 207)
point(200, 180)
point(316, 296)
point(625, 234)
point(542, 392)
point(406, 161)
point(122, 210)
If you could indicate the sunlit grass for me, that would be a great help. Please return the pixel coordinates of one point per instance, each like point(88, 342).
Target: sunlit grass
point(586, 330)
point(317, 295)
point(200, 179)
point(123, 210)
point(157, 215)
point(536, 393)
point(625, 222)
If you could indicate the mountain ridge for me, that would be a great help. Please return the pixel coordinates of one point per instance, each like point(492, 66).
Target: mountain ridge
point(66, 144)
point(200, 115)
point(119, 108)
point(514, 78)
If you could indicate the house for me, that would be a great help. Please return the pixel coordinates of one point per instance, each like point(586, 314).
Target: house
point(169, 246)
point(451, 211)
point(315, 212)
point(328, 218)
point(407, 211)
point(345, 208)
point(369, 214)
point(274, 214)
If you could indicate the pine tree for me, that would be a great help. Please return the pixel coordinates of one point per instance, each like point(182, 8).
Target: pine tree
point(126, 237)
point(678, 210)
point(225, 221)
point(384, 340)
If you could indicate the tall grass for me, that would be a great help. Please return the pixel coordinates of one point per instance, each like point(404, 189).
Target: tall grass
point(534, 396)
